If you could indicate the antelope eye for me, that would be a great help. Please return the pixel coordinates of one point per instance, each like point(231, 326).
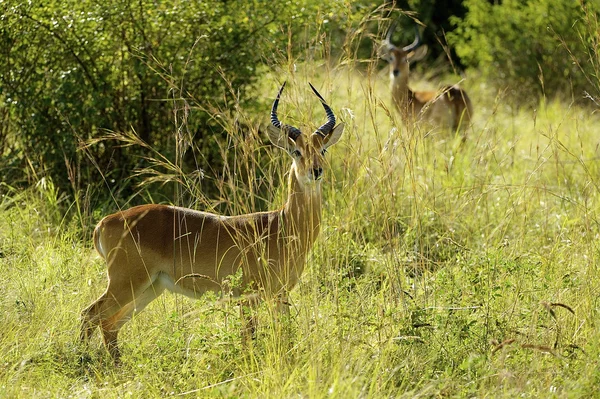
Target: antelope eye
point(296, 153)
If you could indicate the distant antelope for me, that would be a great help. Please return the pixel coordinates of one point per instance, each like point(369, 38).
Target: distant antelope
point(451, 107)
point(150, 248)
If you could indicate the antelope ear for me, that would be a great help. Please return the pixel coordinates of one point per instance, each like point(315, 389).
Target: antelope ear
point(334, 136)
point(418, 54)
point(279, 138)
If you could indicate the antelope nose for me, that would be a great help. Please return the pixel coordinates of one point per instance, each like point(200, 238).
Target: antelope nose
point(396, 72)
point(317, 173)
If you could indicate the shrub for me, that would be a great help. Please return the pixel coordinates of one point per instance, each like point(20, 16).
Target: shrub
point(520, 45)
point(72, 70)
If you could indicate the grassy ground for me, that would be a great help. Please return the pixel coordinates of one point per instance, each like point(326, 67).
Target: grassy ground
point(445, 268)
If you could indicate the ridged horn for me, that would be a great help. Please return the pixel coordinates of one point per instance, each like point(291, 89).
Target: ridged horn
point(325, 129)
point(292, 131)
point(416, 43)
point(388, 37)
point(390, 32)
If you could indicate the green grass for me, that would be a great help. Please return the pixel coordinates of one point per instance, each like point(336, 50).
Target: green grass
point(444, 268)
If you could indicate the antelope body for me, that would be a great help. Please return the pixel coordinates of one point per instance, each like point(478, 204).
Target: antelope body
point(449, 108)
point(150, 248)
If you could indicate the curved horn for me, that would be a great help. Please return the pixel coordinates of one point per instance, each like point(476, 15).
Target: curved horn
point(292, 131)
point(325, 129)
point(416, 43)
point(390, 32)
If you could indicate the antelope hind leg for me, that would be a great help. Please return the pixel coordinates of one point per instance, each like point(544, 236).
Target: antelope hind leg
point(111, 326)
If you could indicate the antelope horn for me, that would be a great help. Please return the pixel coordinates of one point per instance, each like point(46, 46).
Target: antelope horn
point(416, 43)
point(390, 32)
point(292, 131)
point(388, 37)
point(325, 129)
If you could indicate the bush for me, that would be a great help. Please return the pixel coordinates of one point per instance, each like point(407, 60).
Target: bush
point(72, 70)
point(522, 45)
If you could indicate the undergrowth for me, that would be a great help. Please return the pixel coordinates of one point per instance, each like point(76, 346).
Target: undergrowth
point(447, 266)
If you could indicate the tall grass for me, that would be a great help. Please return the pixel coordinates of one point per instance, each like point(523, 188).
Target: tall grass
point(445, 267)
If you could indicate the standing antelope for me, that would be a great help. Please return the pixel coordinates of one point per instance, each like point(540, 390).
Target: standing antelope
point(449, 108)
point(150, 248)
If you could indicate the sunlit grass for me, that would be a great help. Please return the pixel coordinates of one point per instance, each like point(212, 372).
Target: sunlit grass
point(444, 267)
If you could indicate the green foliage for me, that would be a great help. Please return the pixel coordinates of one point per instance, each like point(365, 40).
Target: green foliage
point(72, 70)
point(527, 46)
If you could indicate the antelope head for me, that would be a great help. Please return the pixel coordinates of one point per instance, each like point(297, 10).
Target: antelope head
point(399, 57)
point(307, 151)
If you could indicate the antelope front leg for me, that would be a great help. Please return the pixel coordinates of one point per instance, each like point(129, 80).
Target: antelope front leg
point(283, 324)
point(283, 305)
point(109, 334)
point(248, 316)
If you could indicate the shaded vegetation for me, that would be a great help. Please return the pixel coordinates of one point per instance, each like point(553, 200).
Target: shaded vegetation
point(532, 48)
point(73, 70)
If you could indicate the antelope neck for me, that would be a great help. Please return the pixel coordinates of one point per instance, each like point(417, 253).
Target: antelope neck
point(400, 90)
point(302, 211)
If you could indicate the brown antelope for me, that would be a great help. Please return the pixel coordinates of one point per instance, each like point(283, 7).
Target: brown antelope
point(150, 248)
point(449, 108)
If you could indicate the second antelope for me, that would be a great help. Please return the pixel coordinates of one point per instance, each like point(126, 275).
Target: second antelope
point(450, 108)
point(150, 248)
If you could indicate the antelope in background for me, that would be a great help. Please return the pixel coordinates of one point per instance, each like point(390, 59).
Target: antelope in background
point(150, 248)
point(450, 108)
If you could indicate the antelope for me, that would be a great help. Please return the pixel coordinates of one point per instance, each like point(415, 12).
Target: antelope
point(449, 108)
point(152, 248)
